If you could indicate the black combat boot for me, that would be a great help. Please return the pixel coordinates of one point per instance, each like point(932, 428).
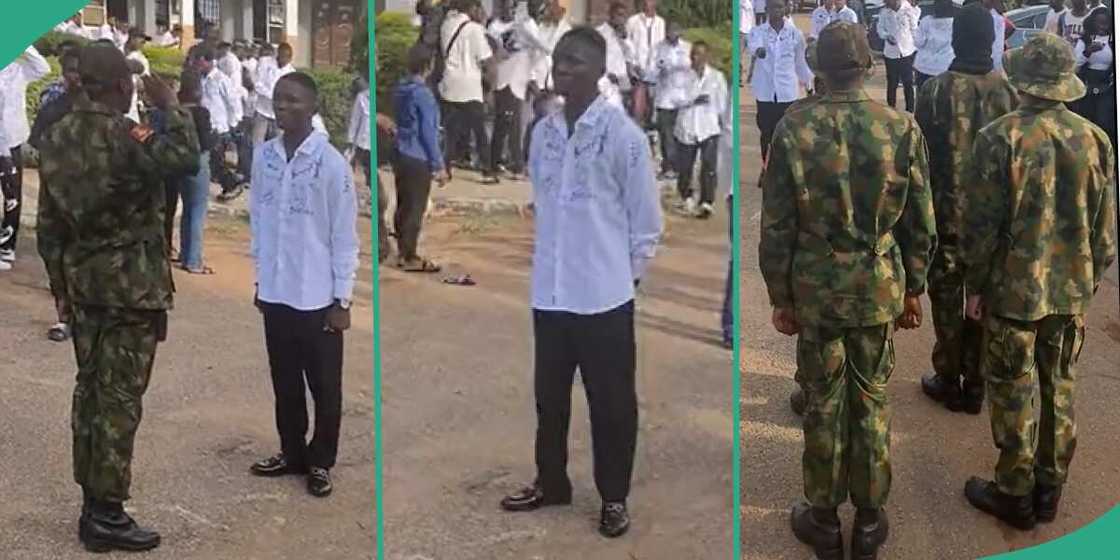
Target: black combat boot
point(87, 504)
point(869, 532)
point(972, 398)
point(943, 390)
point(108, 527)
point(1046, 500)
point(818, 528)
point(1017, 511)
point(797, 402)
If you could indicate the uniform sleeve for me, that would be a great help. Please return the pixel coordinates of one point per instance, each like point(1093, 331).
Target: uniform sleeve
point(985, 209)
point(1104, 222)
point(342, 205)
point(174, 151)
point(917, 236)
point(923, 107)
point(642, 200)
point(778, 239)
point(52, 237)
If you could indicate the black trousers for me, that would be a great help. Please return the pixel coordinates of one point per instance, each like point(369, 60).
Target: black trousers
point(900, 70)
point(920, 78)
point(507, 131)
point(219, 171)
point(468, 116)
point(769, 113)
point(302, 355)
point(13, 190)
point(666, 123)
point(602, 347)
point(414, 183)
point(709, 152)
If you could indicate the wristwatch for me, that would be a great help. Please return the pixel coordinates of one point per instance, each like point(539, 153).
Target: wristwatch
point(343, 303)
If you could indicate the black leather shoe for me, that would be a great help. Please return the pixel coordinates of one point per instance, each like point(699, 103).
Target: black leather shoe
point(942, 390)
point(107, 527)
point(1016, 511)
point(869, 533)
point(614, 520)
point(319, 482)
point(797, 402)
point(277, 465)
point(1046, 500)
point(818, 528)
point(533, 497)
point(972, 399)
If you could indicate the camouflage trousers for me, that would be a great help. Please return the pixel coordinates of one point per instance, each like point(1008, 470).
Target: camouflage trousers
point(115, 349)
point(956, 353)
point(843, 373)
point(1019, 356)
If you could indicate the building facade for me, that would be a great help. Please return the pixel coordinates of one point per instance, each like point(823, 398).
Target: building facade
point(319, 30)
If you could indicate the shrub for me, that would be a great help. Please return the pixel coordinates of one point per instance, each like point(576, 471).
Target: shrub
point(166, 62)
point(697, 13)
point(47, 44)
point(395, 35)
point(335, 100)
point(720, 46)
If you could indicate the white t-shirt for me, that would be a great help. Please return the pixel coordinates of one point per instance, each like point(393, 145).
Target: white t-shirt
point(462, 74)
point(1072, 26)
point(134, 109)
point(1100, 60)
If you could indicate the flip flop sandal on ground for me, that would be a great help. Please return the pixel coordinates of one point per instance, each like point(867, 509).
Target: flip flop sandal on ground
point(460, 280)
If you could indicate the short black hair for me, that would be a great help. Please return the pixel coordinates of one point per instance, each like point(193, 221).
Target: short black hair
point(304, 80)
point(190, 81)
point(207, 53)
point(66, 45)
point(589, 36)
point(419, 58)
point(285, 47)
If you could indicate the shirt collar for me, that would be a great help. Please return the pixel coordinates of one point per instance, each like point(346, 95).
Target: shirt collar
point(86, 105)
point(589, 119)
point(849, 96)
point(311, 145)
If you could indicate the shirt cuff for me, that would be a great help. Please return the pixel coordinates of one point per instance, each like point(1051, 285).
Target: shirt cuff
point(344, 289)
point(638, 265)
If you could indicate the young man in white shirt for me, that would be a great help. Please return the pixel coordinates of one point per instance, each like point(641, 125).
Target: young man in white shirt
point(220, 98)
point(467, 57)
point(521, 40)
point(1071, 23)
point(934, 41)
point(1057, 8)
point(698, 130)
point(72, 25)
point(597, 226)
point(29, 67)
point(779, 69)
point(272, 65)
point(746, 23)
point(615, 83)
point(673, 70)
point(646, 30)
point(828, 12)
point(999, 25)
point(898, 22)
point(553, 26)
point(133, 52)
point(303, 218)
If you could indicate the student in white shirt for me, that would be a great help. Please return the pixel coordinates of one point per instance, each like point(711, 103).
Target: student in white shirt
point(760, 16)
point(523, 45)
point(615, 83)
point(273, 65)
point(168, 37)
point(246, 78)
point(220, 98)
point(1096, 66)
point(671, 59)
point(746, 23)
point(357, 132)
point(828, 12)
point(1071, 22)
point(468, 57)
point(1057, 8)
point(779, 68)
point(73, 26)
point(597, 226)
point(898, 22)
point(725, 172)
point(934, 41)
point(698, 130)
point(303, 214)
point(29, 67)
point(133, 52)
point(646, 30)
point(553, 26)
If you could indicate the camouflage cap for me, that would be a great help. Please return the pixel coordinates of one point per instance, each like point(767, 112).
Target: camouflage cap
point(843, 47)
point(1044, 67)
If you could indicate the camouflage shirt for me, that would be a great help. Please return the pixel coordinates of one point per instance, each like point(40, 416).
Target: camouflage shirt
point(1040, 212)
point(847, 218)
point(951, 109)
point(101, 219)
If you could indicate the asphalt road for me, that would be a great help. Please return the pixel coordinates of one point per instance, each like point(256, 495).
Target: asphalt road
point(208, 415)
point(459, 417)
point(933, 451)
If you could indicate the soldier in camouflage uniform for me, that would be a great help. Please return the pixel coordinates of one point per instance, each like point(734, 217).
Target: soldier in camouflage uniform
point(101, 237)
point(1039, 236)
point(951, 109)
point(847, 235)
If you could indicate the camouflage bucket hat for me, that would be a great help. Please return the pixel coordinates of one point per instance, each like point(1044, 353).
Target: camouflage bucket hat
point(1044, 68)
point(843, 47)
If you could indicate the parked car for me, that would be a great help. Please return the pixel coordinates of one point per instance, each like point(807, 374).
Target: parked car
point(1028, 22)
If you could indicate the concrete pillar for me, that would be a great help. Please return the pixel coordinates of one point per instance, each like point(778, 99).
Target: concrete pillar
point(292, 28)
point(187, 23)
point(148, 20)
point(246, 19)
point(227, 19)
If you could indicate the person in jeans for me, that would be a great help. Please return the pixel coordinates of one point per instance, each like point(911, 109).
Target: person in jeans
point(194, 189)
point(303, 214)
point(898, 22)
point(698, 131)
point(467, 56)
point(418, 159)
point(934, 41)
